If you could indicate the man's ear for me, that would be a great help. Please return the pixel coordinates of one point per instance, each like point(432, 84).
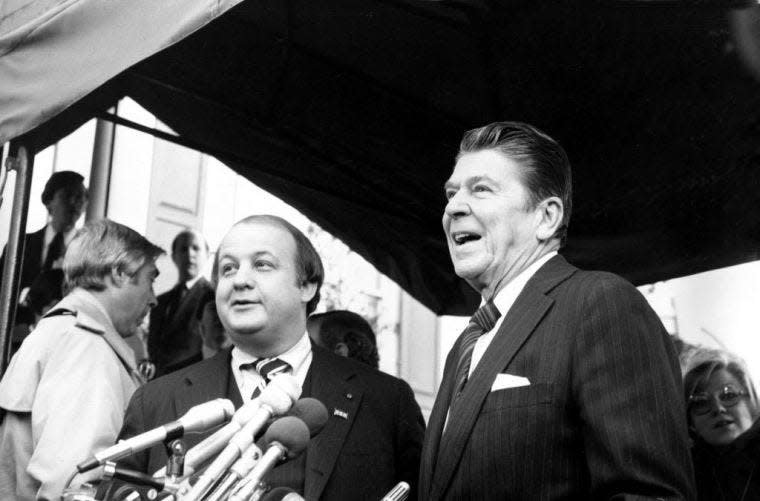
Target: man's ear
point(118, 277)
point(341, 349)
point(549, 214)
point(308, 290)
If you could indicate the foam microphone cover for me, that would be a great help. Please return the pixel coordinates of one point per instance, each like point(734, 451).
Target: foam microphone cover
point(291, 432)
point(312, 412)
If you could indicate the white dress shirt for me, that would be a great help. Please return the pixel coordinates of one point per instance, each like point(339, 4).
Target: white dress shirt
point(299, 357)
point(504, 301)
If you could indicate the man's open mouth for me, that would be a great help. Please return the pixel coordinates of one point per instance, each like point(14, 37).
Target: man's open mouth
point(463, 237)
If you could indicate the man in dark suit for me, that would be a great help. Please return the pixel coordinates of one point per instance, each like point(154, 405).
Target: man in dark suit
point(565, 385)
point(65, 198)
point(268, 277)
point(174, 339)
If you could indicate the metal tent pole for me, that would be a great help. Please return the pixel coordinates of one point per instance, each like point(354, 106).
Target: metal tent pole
point(22, 163)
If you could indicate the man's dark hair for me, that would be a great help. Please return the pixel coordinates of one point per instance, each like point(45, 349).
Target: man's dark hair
point(184, 233)
point(309, 267)
point(59, 180)
point(545, 167)
point(343, 326)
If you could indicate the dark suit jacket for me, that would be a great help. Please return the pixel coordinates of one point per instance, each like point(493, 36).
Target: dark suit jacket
point(174, 340)
point(602, 418)
point(358, 457)
point(33, 243)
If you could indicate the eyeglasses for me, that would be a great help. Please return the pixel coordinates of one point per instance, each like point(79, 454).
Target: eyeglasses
point(728, 396)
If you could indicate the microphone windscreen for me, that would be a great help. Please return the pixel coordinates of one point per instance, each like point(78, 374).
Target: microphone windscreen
point(312, 412)
point(280, 394)
point(291, 432)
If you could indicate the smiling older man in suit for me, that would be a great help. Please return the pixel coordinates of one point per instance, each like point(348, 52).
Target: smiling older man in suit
point(268, 277)
point(565, 385)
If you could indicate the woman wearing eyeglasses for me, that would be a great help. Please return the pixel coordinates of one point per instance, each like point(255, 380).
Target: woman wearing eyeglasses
point(722, 409)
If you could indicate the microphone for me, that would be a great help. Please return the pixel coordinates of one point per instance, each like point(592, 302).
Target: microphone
point(199, 418)
point(399, 493)
point(137, 477)
point(287, 437)
point(282, 494)
point(314, 415)
point(202, 452)
point(240, 469)
point(312, 412)
point(273, 401)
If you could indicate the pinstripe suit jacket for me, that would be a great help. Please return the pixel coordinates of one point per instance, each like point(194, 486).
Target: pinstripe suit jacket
point(603, 417)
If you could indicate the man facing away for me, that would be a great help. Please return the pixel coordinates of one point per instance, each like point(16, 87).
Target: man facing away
point(267, 276)
point(174, 339)
point(565, 385)
point(64, 394)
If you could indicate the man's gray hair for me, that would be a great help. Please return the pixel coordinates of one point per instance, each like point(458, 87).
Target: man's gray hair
point(102, 246)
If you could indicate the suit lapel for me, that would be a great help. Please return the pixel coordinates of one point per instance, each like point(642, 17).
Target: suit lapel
point(335, 387)
point(438, 419)
point(521, 320)
point(208, 380)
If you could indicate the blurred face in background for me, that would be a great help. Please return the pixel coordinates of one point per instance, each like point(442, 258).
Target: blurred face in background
point(189, 255)
point(67, 206)
point(720, 411)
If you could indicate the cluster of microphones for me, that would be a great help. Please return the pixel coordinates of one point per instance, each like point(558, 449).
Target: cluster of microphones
point(232, 463)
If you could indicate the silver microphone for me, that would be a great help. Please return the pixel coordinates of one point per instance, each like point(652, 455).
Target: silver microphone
point(399, 493)
point(199, 418)
point(275, 399)
point(287, 437)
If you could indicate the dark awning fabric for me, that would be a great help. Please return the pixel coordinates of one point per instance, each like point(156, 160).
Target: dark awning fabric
point(352, 112)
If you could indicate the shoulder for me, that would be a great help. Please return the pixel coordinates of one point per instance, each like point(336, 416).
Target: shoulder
point(213, 367)
point(600, 283)
point(370, 378)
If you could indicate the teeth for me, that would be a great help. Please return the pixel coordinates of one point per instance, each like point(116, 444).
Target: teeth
point(460, 238)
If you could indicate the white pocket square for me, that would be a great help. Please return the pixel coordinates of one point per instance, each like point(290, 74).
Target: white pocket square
point(504, 381)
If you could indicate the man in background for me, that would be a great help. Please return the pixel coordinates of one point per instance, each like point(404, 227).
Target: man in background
point(65, 198)
point(64, 394)
point(174, 339)
point(565, 384)
point(345, 333)
point(268, 277)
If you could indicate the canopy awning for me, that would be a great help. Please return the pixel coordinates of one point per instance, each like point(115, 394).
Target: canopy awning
point(352, 111)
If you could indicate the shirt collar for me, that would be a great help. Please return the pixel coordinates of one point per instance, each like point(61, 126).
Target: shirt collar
point(189, 284)
point(295, 356)
point(68, 236)
point(507, 296)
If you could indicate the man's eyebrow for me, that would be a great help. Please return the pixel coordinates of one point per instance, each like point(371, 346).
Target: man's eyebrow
point(470, 180)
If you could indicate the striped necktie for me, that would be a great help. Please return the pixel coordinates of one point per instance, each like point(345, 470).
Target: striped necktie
point(267, 369)
point(481, 322)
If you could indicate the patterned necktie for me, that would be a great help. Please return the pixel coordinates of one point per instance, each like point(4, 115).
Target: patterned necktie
point(481, 322)
point(54, 251)
point(267, 369)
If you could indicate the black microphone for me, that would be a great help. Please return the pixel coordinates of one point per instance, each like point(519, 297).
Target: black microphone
point(137, 477)
point(199, 418)
point(282, 494)
point(312, 412)
point(287, 437)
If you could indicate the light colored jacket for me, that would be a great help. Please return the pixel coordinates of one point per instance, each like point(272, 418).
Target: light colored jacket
point(63, 397)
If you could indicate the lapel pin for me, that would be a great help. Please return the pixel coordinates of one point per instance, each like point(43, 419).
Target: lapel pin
point(340, 413)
